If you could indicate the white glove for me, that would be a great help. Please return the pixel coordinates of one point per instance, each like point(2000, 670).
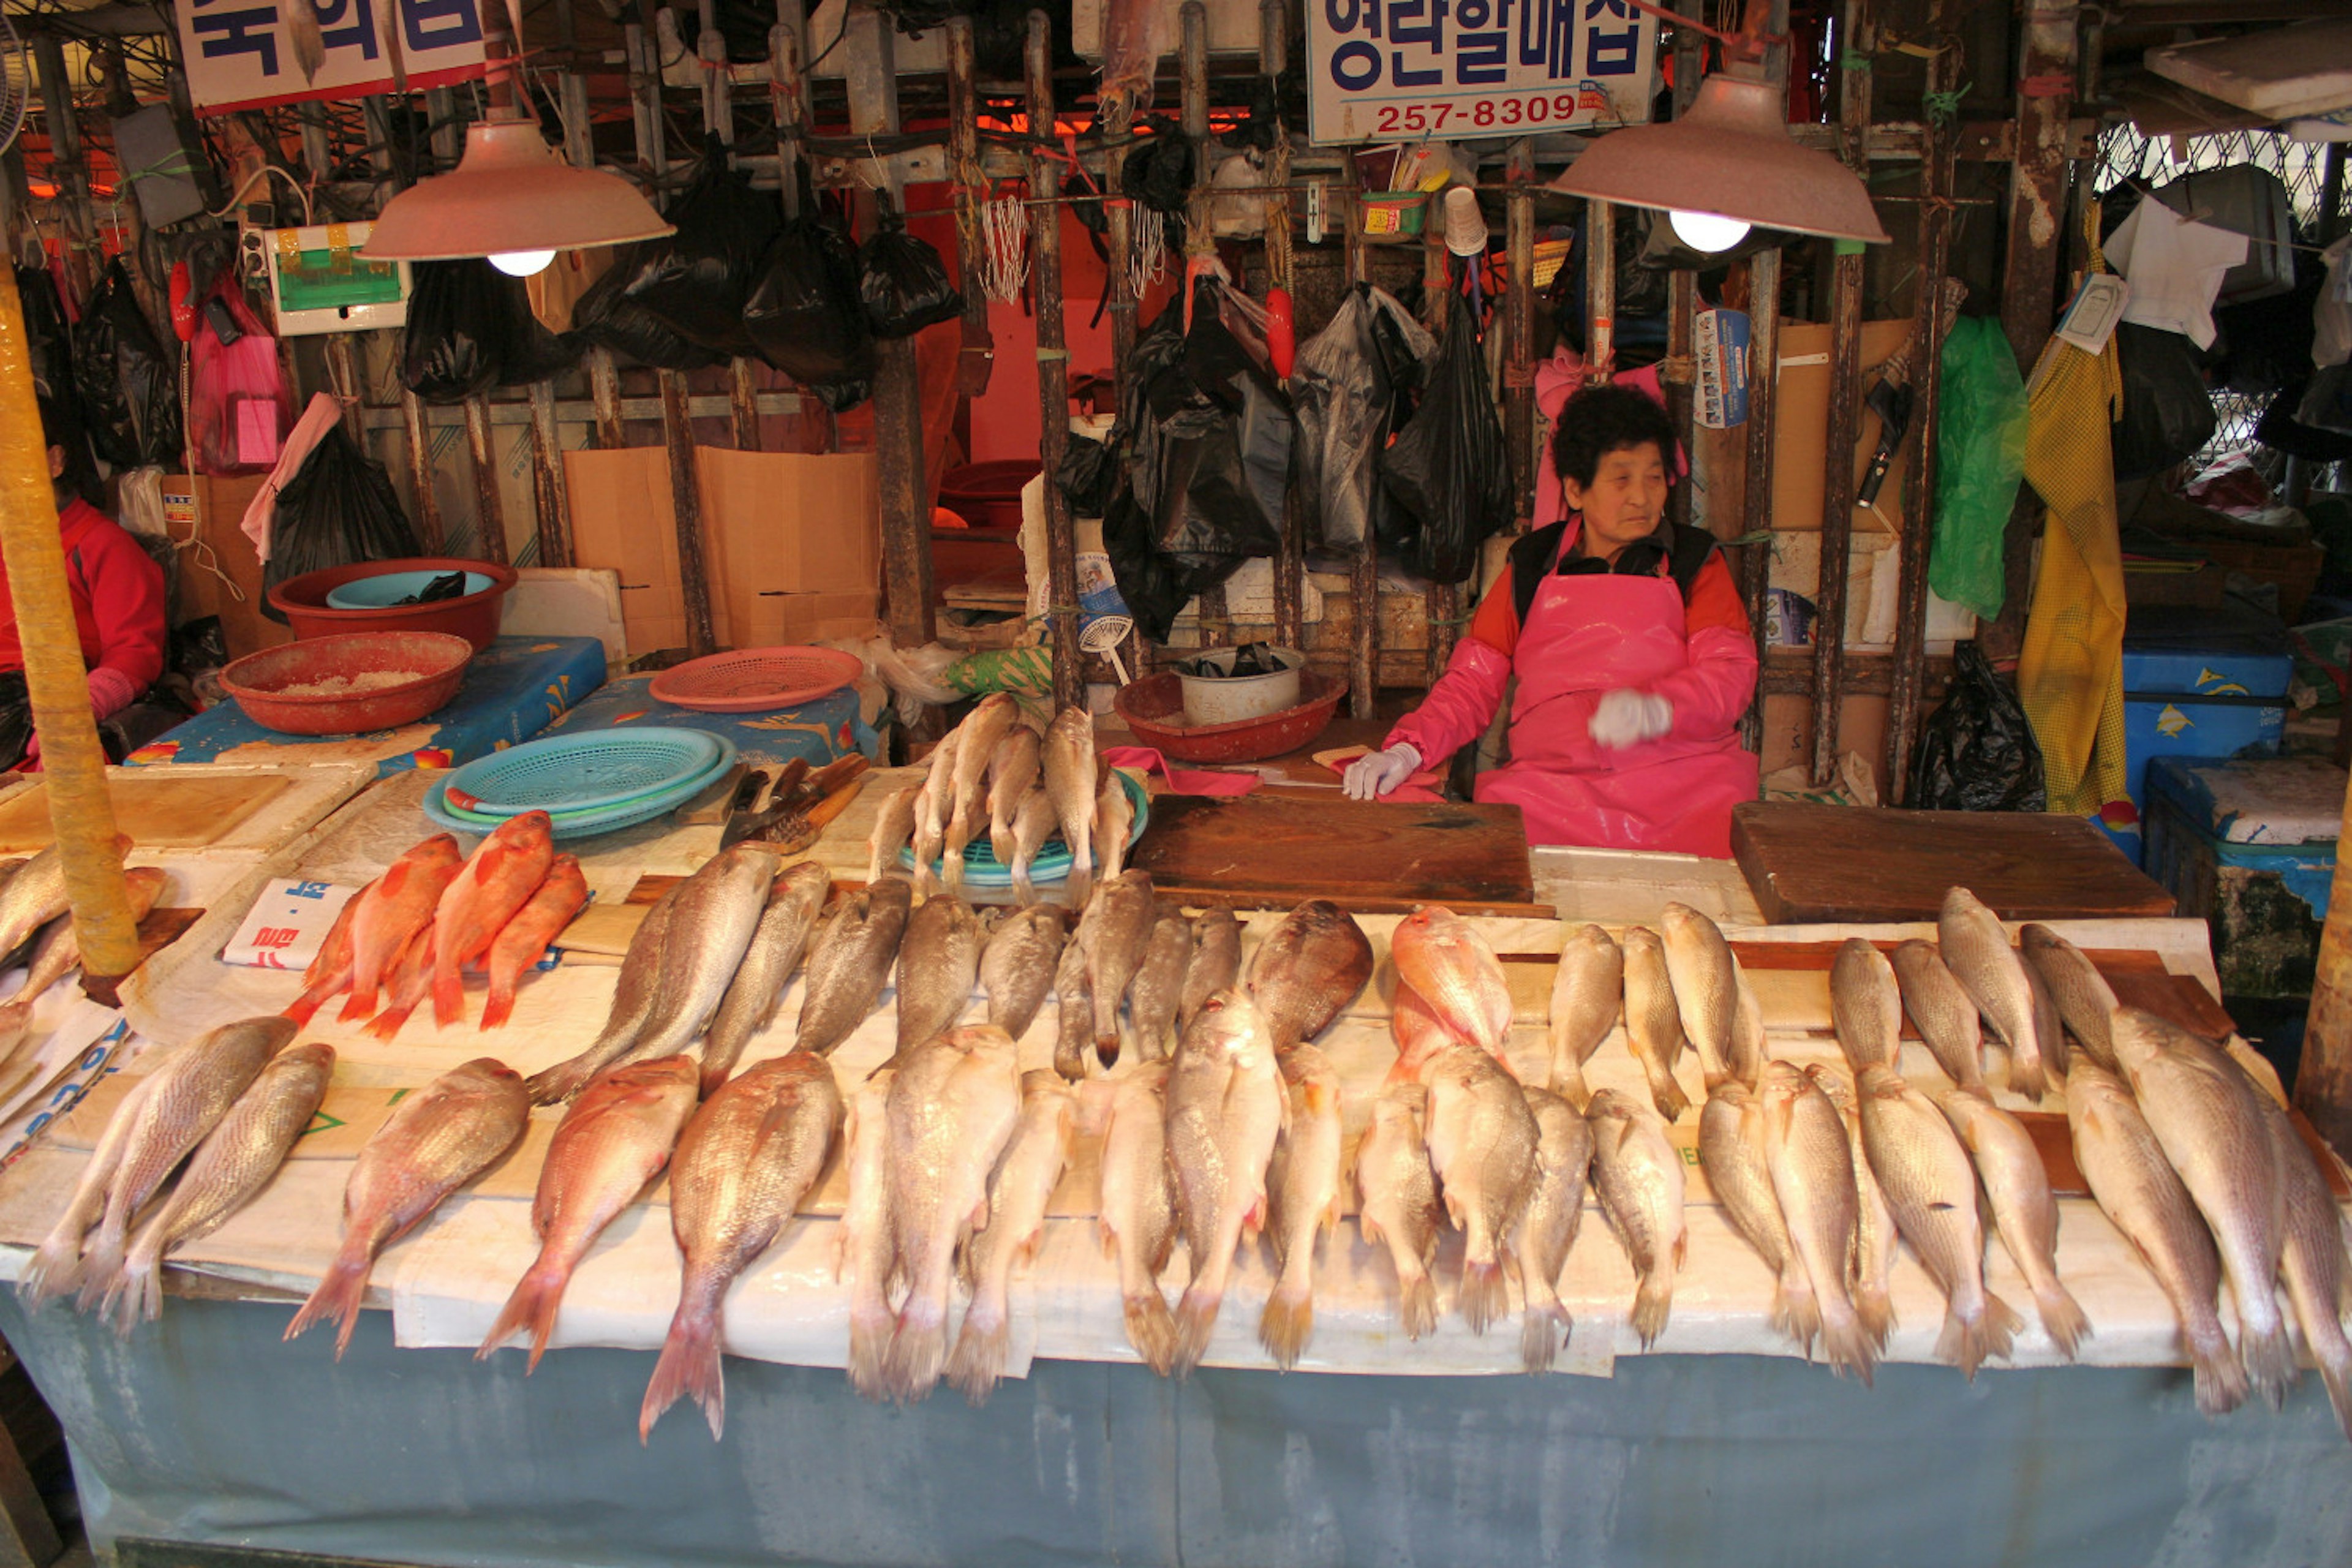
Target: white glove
point(1627, 717)
point(1377, 773)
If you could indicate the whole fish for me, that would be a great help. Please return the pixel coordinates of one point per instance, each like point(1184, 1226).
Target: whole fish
point(624, 1019)
point(2312, 1264)
point(1482, 1142)
point(982, 728)
point(1654, 1023)
point(938, 962)
point(1225, 1107)
point(864, 1235)
point(952, 1108)
point(1017, 965)
point(36, 894)
point(59, 952)
point(894, 829)
point(1548, 1225)
point(1396, 1201)
point(330, 974)
point(229, 1168)
point(1157, 993)
point(1731, 1147)
point(616, 1138)
point(406, 985)
point(1070, 782)
point(1750, 1044)
point(391, 908)
point(185, 1096)
point(1138, 1218)
point(849, 962)
point(1639, 1177)
point(1420, 1034)
point(2024, 1211)
point(1136, 33)
point(1932, 1190)
point(1215, 965)
point(1444, 957)
point(1944, 1011)
point(719, 909)
point(1074, 1007)
point(1018, 1192)
point(1114, 818)
point(1707, 991)
point(1876, 1238)
point(1588, 994)
point(524, 940)
point(744, 1163)
point(1115, 945)
point(498, 879)
point(1012, 773)
point(1812, 1162)
point(1865, 1006)
point(2205, 1113)
point(1034, 822)
point(1977, 951)
point(777, 943)
point(435, 1141)
point(1310, 968)
point(2137, 1188)
point(2049, 1025)
point(2086, 1001)
point(930, 825)
point(1303, 1192)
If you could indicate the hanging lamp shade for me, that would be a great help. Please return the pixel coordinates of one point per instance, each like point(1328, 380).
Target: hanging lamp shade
point(1730, 156)
point(509, 193)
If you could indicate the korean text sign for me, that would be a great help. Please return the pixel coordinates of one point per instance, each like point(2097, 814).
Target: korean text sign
point(240, 56)
point(1391, 70)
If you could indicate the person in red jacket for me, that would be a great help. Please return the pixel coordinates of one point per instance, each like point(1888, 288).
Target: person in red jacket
point(1630, 649)
point(118, 603)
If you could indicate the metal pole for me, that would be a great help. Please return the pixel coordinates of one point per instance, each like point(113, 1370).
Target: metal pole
point(1053, 373)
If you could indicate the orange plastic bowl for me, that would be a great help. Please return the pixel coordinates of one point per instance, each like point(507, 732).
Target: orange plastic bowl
point(259, 681)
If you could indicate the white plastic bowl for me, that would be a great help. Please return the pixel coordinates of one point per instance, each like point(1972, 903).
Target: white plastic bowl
point(1209, 700)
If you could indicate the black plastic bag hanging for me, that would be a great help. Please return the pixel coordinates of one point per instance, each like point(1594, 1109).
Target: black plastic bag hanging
point(1447, 471)
point(128, 386)
point(2167, 414)
point(698, 280)
point(607, 317)
point(1976, 750)
point(449, 349)
point(1352, 385)
point(805, 317)
point(48, 341)
point(339, 508)
point(902, 284)
point(1088, 476)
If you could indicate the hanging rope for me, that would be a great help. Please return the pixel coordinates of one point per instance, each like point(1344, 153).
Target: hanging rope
point(1004, 221)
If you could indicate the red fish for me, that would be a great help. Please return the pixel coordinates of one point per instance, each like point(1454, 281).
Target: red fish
point(405, 987)
point(331, 973)
point(525, 937)
point(390, 910)
point(498, 880)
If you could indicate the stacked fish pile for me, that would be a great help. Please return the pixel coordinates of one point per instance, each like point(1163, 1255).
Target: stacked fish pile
point(34, 920)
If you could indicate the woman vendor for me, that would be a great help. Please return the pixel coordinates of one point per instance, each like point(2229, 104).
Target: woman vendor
point(1630, 649)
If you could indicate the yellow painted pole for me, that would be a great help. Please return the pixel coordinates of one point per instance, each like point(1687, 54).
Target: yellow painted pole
point(81, 812)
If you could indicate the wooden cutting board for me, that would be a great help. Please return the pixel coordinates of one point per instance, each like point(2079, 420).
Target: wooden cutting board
point(161, 808)
point(1257, 851)
point(1811, 864)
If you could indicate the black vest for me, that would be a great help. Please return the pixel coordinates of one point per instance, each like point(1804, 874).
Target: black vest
point(1684, 551)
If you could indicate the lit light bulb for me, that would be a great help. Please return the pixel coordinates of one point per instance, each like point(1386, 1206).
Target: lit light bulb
point(1706, 231)
point(525, 263)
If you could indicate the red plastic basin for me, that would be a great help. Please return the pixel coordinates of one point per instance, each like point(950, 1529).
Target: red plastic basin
point(473, 617)
point(988, 495)
point(258, 682)
point(1154, 710)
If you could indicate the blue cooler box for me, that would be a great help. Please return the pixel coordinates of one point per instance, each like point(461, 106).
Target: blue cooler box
point(2249, 847)
point(2198, 684)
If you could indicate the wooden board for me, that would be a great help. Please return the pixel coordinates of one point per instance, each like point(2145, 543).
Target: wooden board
point(1813, 865)
point(161, 808)
point(1256, 851)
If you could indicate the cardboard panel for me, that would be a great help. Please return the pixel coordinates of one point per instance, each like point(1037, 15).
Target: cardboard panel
point(622, 521)
point(1802, 426)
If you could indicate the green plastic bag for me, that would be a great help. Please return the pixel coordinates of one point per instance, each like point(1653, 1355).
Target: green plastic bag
point(1980, 459)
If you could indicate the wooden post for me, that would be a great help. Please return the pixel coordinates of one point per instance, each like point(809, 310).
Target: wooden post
point(1520, 332)
point(1216, 627)
point(416, 434)
point(1290, 560)
point(550, 493)
point(2323, 1084)
point(1756, 508)
point(1846, 411)
point(490, 524)
point(1053, 369)
point(1364, 565)
point(1437, 601)
point(1600, 291)
point(976, 359)
point(1678, 374)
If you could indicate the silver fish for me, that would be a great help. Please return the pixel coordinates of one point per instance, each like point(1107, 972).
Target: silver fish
point(632, 1004)
point(849, 962)
point(59, 952)
point(1158, 991)
point(1639, 1177)
point(1731, 1147)
point(1865, 1004)
point(1225, 1107)
point(1707, 991)
point(1653, 1025)
point(1071, 782)
point(2086, 1001)
point(1482, 1141)
point(1032, 822)
point(2137, 1188)
point(1944, 1011)
point(777, 944)
point(1216, 963)
point(1114, 817)
point(930, 824)
point(938, 961)
point(1120, 919)
point(1588, 994)
point(1548, 1225)
point(864, 1254)
point(1932, 1190)
point(982, 728)
point(1748, 1043)
point(1017, 965)
point(1876, 1238)
point(2312, 1264)
point(1074, 1007)
point(1137, 1219)
point(2049, 1024)
point(36, 894)
point(1978, 952)
point(1396, 1202)
point(2024, 1211)
point(1303, 1187)
point(1012, 773)
point(718, 911)
point(1018, 1192)
point(1812, 1163)
point(894, 829)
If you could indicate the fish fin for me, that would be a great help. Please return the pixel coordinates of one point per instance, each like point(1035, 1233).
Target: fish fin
point(1969, 1346)
point(358, 1006)
point(1567, 1082)
point(1541, 1332)
point(1799, 1307)
point(869, 1344)
point(536, 1297)
point(54, 1270)
point(136, 1295)
point(2335, 1372)
point(2061, 1318)
point(498, 1008)
point(338, 1297)
point(690, 1366)
point(1151, 1329)
point(1652, 1305)
point(1666, 1094)
point(1287, 1323)
point(2220, 1377)
point(1875, 1307)
point(448, 995)
point(2028, 1079)
point(1196, 1320)
point(977, 1363)
point(1484, 1297)
point(1845, 1342)
point(1417, 1305)
point(101, 1266)
point(388, 1023)
point(1081, 883)
point(2270, 1361)
point(1024, 890)
point(919, 1349)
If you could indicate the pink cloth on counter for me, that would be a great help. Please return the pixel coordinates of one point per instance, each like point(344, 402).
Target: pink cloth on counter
point(261, 512)
point(1182, 781)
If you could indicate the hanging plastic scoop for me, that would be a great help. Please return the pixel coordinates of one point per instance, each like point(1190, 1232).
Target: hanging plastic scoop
point(1103, 635)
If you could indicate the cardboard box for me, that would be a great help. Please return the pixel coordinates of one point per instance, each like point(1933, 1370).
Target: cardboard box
point(1800, 413)
point(219, 575)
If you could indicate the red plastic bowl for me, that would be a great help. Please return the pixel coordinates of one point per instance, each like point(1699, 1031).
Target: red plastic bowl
point(258, 682)
point(988, 495)
point(473, 617)
point(1154, 710)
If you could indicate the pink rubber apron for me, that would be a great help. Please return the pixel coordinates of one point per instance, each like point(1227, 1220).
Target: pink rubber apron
point(1584, 636)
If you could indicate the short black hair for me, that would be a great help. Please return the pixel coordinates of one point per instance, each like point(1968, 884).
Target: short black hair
point(1599, 420)
point(57, 431)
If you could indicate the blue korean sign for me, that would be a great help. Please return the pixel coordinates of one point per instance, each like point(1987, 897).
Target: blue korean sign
point(239, 55)
point(1448, 70)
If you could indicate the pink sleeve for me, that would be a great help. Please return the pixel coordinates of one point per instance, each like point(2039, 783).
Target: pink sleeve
point(1712, 691)
point(1459, 707)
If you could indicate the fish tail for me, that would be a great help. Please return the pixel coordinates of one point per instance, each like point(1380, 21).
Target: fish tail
point(533, 1305)
point(2220, 1377)
point(1025, 887)
point(2063, 1318)
point(1287, 1323)
point(53, 1269)
point(497, 1007)
point(1151, 1329)
point(305, 1007)
point(1196, 1320)
point(2335, 1372)
point(1969, 1343)
point(2027, 1075)
point(688, 1367)
point(135, 1296)
point(1845, 1342)
point(1568, 1081)
point(1875, 1307)
point(1417, 1304)
point(716, 1069)
point(977, 1363)
point(1541, 1332)
point(555, 1085)
point(1797, 1309)
point(1082, 879)
point(1483, 1298)
point(1666, 1092)
point(917, 1350)
point(999, 843)
point(388, 1023)
point(101, 1266)
point(1652, 1304)
point(2269, 1360)
point(338, 1297)
point(357, 1005)
point(870, 1346)
point(1107, 1047)
point(448, 994)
